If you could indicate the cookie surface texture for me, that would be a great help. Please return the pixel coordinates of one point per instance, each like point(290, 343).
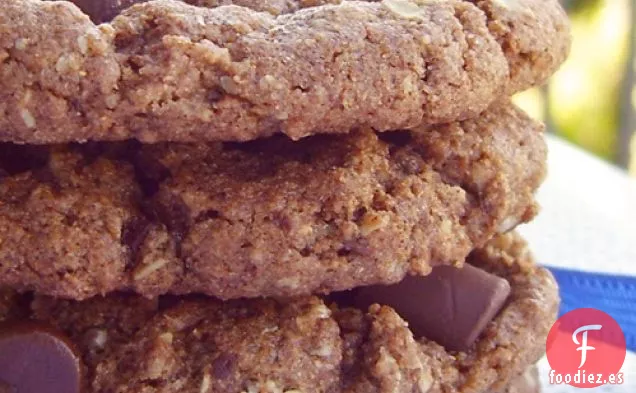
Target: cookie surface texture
point(170, 71)
point(267, 218)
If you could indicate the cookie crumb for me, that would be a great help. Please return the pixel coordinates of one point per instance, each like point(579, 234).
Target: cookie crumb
point(66, 63)
point(205, 383)
point(112, 101)
point(28, 118)
point(426, 381)
point(96, 338)
point(82, 43)
point(21, 43)
point(167, 338)
point(372, 222)
point(502, 3)
point(508, 224)
point(229, 85)
point(147, 270)
point(406, 9)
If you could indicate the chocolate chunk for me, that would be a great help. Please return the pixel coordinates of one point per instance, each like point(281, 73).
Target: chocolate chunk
point(101, 11)
point(450, 306)
point(36, 359)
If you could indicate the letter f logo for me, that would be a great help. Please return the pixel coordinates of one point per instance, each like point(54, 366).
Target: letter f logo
point(584, 347)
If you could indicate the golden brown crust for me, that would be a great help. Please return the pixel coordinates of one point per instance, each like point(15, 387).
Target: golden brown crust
point(268, 218)
point(169, 71)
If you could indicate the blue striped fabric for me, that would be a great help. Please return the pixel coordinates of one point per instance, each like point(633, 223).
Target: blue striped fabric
point(615, 295)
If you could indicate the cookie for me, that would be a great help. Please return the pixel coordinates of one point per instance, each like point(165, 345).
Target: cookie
point(265, 218)
point(170, 71)
point(130, 344)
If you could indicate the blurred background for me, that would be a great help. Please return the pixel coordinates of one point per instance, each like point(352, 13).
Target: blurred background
point(591, 101)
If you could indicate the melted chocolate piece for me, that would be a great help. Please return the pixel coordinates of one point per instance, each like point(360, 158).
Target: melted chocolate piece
point(450, 306)
point(36, 359)
point(101, 11)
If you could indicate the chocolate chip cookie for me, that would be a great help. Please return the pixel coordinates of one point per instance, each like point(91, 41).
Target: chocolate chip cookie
point(266, 218)
point(125, 343)
point(170, 71)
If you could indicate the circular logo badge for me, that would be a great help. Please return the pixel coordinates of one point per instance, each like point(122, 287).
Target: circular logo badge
point(586, 348)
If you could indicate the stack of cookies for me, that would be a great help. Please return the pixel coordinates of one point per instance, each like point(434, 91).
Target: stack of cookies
point(271, 196)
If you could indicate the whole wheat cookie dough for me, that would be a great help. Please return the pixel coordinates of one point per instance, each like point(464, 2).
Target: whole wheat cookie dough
point(130, 344)
point(170, 71)
point(266, 218)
